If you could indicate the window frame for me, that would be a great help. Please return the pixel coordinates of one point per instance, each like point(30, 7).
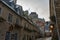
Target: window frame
point(7, 36)
point(14, 36)
point(10, 17)
point(17, 21)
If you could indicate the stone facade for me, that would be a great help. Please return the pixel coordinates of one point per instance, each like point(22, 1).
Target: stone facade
point(14, 26)
point(40, 22)
point(55, 15)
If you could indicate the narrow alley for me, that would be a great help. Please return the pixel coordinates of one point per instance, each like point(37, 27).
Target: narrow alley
point(29, 19)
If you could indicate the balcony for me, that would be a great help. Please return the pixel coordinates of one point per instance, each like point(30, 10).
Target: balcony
point(28, 30)
point(2, 19)
point(17, 26)
point(10, 27)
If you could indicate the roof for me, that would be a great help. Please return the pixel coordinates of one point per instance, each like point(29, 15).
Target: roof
point(17, 13)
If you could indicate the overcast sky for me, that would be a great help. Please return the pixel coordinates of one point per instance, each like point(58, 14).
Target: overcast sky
point(39, 6)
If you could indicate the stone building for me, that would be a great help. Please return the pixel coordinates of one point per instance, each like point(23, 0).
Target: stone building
point(55, 18)
point(33, 15)
point(40, 22)
point(15, 27)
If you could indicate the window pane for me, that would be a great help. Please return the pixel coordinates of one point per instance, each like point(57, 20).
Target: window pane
point(14, 36)
point(10, 18)
point(17, 21)
point(7, 36)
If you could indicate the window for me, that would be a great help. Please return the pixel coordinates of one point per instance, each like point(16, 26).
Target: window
point(7, 37)
point(14, 36)
point(0, 10)
point(17, 21)
point(25, 24)
point(10, 18)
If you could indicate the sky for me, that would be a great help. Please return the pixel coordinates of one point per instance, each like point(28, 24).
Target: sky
point(41, 7)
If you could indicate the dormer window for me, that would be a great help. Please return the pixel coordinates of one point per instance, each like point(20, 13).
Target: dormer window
point(10, 0)
point(11, 3)
point(17, 9)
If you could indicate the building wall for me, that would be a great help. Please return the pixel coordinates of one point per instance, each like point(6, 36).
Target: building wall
point(51, 7)
point(19, 30)
point(3, 28)
point(52, 12)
